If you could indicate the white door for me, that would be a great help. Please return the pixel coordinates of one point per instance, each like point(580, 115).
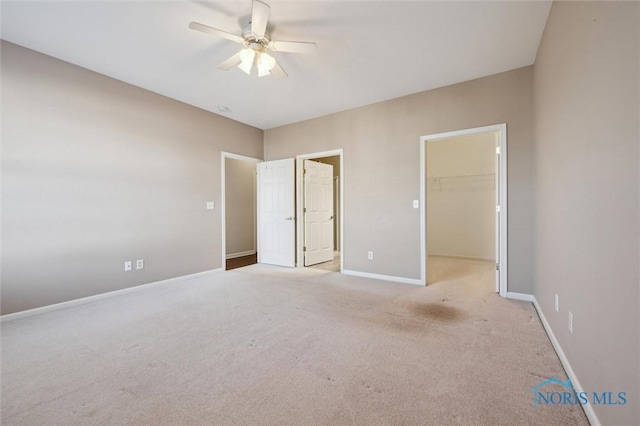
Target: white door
point(318, 212)
point(276, 212)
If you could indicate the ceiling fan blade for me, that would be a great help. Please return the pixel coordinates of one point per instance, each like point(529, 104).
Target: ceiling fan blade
point(259, 18)
point(231, 62)
point(293, 46)
point(277, 71)
point(216, 32)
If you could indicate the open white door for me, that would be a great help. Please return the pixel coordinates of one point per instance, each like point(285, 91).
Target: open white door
point(276, 212)
point(318, 212)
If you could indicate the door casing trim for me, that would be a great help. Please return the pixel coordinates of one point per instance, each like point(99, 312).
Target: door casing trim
point(502, 131)
point(223, 230)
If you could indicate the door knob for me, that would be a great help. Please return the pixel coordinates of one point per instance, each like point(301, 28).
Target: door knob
point(331, 218)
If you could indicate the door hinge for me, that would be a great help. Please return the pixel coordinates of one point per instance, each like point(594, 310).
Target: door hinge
point(304, 209)
point(497, 209)
point(304, 248)
point(497, 266)
point(498, 150)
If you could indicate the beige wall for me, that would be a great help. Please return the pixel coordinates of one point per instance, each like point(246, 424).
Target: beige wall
point(382, 167)
point(240, 205)
point(96, 172)
point(461, 196)
point(587, 182)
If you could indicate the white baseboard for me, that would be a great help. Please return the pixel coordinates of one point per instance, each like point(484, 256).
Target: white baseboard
point(588, 408)
point(383, 277)
point(83, 300)
point(520, 296)
point(241, 254)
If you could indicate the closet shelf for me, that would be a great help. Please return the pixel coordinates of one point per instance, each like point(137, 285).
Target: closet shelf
point(461, 183)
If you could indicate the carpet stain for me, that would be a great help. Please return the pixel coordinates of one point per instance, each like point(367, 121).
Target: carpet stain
point(415, 317)
point(370, 387)
point(131, 348)
point(437, 312)
point(403, 323)
point(538, 375)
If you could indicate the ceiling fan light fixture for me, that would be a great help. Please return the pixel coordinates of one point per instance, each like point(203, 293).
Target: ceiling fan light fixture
point(265, 64)
point(256, 43)
point(247, 56)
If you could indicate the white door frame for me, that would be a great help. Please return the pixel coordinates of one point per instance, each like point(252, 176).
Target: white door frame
point(299, 203)
point(223, 156)
point(502, 131)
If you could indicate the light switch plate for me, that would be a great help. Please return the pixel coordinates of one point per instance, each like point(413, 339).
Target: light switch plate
point(210, 205)
point(416, 204)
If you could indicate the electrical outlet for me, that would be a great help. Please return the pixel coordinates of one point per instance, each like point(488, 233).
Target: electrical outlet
point(140, 264)
point(557, 303)
point(370, 255)
point(127, 266)
point(210, 205)
point(570, 322)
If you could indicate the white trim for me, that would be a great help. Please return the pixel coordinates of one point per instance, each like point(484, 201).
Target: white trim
point(299, 214)
point(107, 295)
point(504, 217)
point(502, 130)
point(223, 198)
point(241, 254)
point(588, 408)
point(520, 296)
point(383, 277)
point(233, 156)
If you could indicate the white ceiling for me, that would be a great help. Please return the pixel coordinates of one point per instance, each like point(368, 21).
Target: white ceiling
point(368, 51)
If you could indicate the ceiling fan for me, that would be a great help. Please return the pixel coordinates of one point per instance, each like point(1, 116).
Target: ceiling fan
point(257, 44)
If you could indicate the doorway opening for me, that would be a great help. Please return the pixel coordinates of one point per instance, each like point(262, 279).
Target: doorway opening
point(319, 205)
point(238, 210)
point(463, 214)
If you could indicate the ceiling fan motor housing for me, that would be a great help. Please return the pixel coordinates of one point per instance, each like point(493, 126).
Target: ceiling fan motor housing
point(259, 44)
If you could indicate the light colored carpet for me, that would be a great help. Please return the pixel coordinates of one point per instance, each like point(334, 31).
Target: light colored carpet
point(332, 265)
point(266, 345)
